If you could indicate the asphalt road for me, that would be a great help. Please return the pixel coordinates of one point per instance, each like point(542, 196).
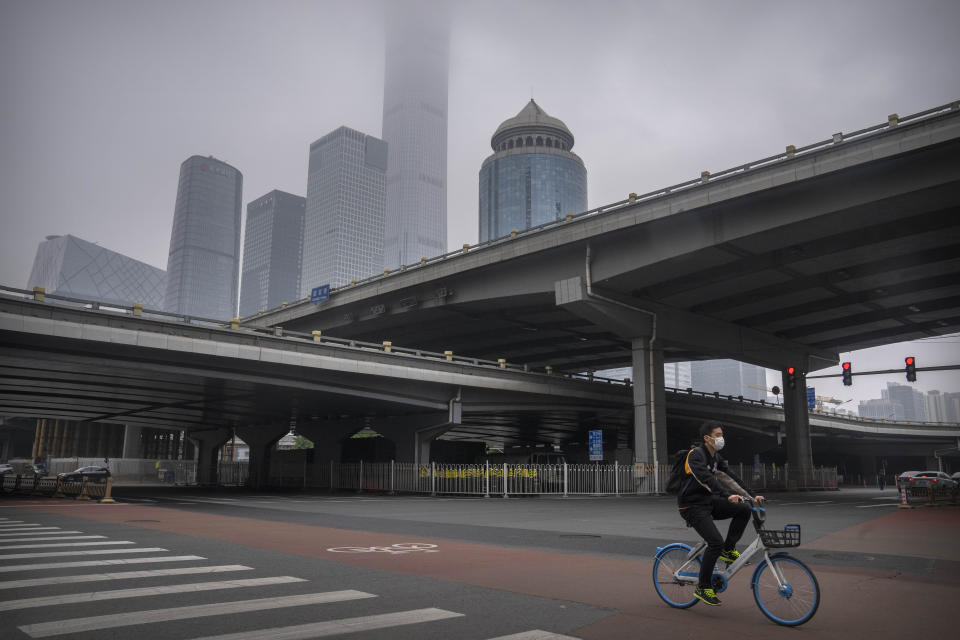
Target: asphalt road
point(234, 562)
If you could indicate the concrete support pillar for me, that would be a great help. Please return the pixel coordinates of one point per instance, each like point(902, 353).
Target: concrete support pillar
point(327, 437)
point(797, 424)
point(207, 444)
point(261, 440)
point(413, 435)
point(131, 442)
point(649, 404)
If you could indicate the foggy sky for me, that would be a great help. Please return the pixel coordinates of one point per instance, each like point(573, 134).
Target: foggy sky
point(103, 99)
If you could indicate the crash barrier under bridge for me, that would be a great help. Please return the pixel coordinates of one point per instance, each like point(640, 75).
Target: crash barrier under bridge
point(928, 496)
point(34, 485)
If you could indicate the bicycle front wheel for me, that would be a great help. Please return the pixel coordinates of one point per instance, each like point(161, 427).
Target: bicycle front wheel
point(676, 593)
point(796, 600)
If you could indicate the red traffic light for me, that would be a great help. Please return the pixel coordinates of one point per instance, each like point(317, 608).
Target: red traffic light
point(846, 366)
point(790, 371)
point(908, 360)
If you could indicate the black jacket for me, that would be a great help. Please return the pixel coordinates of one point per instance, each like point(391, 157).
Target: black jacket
point(702, 483)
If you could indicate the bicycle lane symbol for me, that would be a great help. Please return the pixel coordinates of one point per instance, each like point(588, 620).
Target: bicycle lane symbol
point(397, 548)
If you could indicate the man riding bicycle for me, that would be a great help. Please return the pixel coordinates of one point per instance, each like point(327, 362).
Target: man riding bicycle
point(710, 491)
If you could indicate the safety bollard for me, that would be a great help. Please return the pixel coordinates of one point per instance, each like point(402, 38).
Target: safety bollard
point(904, 503)
point(933, 496)
point(106, 499)
point(59, 491)
point(83, 490)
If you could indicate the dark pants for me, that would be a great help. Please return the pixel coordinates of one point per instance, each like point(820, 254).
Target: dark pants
point(701, 518)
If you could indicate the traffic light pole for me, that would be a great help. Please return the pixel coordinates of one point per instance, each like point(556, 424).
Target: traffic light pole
point(797, 423)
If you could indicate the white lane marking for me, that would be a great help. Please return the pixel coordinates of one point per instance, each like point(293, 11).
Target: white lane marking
point(49, 539)
point(122, 575)
point(341, 626)
point(28, 528)
point(9, 522)
point(140, 592)
point(536, 634)
point(37, 532)
point(93, 552)
point(65, 544)
point(138, 500)
point(96, 563)
point(93, 623)
point(870, 506)
point(784, 504)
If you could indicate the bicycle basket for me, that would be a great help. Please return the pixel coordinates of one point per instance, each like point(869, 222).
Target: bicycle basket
point(789, 536)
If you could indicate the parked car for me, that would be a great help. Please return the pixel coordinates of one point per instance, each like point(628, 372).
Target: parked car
point(907, 478)
point(5, 469)
point(92, 474)
point(956, 478)
point(924, 479)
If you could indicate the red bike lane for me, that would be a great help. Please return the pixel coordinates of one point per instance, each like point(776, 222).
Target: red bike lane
point(855, 603)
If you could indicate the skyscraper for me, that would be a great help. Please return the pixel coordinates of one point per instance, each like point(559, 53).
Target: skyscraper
point(272, 252)
point(343, 224)
point(415, 130)
point(203, 265)
point(729, 378)
point(69, 266)
point(532, 177)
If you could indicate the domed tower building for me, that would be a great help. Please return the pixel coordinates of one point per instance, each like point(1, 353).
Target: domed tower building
point(532, 177)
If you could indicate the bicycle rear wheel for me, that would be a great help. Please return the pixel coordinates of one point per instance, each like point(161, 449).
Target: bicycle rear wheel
point(674, 592)
point(796, 601)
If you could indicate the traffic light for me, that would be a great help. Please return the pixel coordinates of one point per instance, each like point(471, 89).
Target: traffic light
point(847, 374)
point(911, 368)
point(791, 378)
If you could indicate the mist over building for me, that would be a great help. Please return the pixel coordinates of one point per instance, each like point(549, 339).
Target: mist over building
point(532, 177)
point(272, 252)
point(343, 223)
point(68, 266)
point(204, 261)
point(415, 130)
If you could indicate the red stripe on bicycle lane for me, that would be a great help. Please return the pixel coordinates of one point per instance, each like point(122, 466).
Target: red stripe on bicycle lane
point(856, 603)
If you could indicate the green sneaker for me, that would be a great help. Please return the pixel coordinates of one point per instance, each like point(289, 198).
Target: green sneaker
point(707, 595)
point(730, 555)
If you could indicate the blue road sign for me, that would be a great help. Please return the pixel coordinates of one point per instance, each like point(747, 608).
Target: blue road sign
point(811, 398)
point(319, 294)
point(596, 444)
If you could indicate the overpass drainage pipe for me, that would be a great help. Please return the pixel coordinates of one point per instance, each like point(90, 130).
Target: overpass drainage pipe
point(652, 385)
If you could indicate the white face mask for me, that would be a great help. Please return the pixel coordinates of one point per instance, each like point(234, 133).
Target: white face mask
point(718, 443)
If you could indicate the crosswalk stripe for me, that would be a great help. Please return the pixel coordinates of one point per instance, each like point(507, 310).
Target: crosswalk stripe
point(536, 634)
point(341, 626)
point(121, 575)
point(28, 529)
point(117, 594)
point(65, 544)
point(86, 552)
point(37, 532)
point(8, 523)
point(48, 540)
point(93, 623)
point(96, 563)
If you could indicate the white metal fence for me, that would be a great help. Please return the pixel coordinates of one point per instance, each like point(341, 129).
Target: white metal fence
point(293, 469)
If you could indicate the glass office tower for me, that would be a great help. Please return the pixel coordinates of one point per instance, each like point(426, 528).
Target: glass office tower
point(69, 266)
point(203, 265)
point(343, 224)
point(272, 252)
point(533, 177)
point(415, 130)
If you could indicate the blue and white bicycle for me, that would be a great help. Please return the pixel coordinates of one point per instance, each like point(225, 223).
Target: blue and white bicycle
point(785, 589)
